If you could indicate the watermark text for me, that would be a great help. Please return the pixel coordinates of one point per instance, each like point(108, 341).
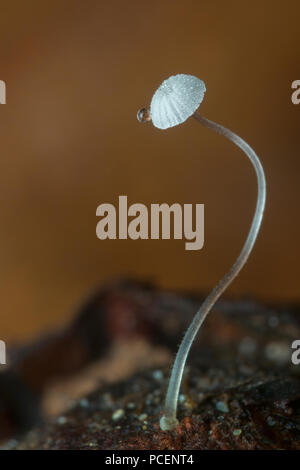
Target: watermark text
point(160, 221)
point(2, 92)
point(295, 97)
point(2, 352)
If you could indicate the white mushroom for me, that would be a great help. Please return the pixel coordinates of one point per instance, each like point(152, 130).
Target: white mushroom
point(174, 102)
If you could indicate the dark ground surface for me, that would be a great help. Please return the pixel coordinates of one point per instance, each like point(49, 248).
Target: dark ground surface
point(240, 389)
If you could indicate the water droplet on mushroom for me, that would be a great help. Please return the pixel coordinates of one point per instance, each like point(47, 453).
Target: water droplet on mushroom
point(143, 115)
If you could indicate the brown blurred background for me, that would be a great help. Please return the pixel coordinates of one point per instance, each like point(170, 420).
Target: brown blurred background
point(76, 73)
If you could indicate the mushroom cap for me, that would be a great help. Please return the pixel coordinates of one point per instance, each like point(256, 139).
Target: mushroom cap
point(176, 100)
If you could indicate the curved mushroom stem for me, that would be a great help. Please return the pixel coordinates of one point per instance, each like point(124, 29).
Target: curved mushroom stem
point(169, 420)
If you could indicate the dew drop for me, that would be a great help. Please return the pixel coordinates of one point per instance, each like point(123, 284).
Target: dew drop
point(143, 115)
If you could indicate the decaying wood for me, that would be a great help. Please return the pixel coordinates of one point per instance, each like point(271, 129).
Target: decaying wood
point(240, 389)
